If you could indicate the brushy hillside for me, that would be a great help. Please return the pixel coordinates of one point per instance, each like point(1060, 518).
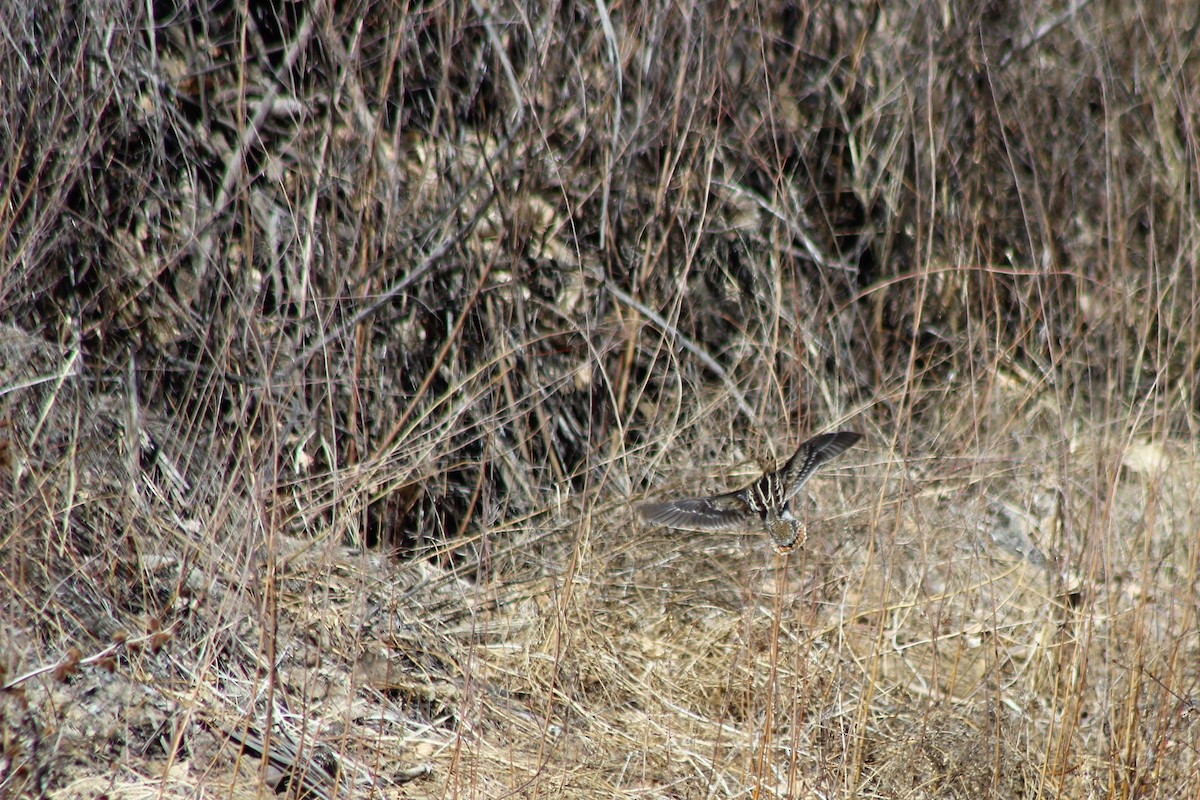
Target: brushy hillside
point(338, 343)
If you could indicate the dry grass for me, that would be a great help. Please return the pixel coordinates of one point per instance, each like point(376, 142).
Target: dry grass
point(342, 341)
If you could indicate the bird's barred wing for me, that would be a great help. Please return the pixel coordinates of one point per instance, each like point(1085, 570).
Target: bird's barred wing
point(812, 454)
point(723, 512)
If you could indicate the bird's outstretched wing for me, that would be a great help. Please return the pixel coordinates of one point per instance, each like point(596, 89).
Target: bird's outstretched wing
point(810, 455)
point(722, 512)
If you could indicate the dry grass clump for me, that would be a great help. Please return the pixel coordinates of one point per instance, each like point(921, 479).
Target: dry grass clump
point(341, 341)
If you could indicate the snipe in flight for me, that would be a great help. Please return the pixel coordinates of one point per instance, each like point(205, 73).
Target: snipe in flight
point(767, 501)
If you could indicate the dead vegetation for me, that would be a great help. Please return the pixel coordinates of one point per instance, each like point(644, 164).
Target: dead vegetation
point(342, 339)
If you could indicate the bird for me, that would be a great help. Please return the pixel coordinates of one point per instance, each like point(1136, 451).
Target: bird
point(766, 501)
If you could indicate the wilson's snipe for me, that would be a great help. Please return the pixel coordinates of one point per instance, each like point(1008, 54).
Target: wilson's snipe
point(766, 501)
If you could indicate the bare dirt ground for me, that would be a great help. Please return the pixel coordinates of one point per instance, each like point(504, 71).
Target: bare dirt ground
point(339, 343)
